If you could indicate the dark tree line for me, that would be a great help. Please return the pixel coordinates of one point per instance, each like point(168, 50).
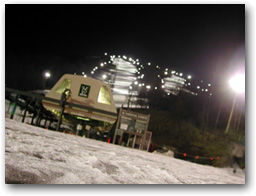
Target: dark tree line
point(195, 125)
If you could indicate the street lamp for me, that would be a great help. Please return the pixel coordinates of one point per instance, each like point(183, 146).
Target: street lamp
point(46, 75)
point(237, 83)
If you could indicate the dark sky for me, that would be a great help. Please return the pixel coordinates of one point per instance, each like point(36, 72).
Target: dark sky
point(204, 40)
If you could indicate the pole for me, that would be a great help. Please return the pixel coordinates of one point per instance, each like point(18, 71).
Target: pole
point(63, 101)
point(38, 119)
point(25, 112)
point(13, 106)
point(231, 114)
point(117, 124)
point(34, 113)
point(60, 118)
point(218, 115)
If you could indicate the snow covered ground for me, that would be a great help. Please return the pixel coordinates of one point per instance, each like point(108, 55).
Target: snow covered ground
point(38, 156)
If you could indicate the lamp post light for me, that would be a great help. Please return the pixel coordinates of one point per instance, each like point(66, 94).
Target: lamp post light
point(237, 83)
point(46, 75)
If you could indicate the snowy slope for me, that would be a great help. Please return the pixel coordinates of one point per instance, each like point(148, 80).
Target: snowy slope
point(36, 155)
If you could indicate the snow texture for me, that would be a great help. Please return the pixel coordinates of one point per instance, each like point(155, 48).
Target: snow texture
point(35, 155)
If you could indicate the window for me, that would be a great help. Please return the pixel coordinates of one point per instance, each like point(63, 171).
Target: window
point(104, 96)
point(65, 84)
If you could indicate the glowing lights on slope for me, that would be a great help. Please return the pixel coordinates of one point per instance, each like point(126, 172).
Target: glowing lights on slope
point(129, 74)
point(148, 86)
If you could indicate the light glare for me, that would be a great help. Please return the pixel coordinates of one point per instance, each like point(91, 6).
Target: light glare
point(238, 83)
point(47, 75)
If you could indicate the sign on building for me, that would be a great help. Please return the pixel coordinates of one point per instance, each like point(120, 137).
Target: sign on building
point(84, 91)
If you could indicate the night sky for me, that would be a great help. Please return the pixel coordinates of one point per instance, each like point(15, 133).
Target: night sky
point(206, 41)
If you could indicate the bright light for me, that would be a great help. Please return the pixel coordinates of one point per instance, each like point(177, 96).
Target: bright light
point(148, 86)
point(238, 83)
point(104, 76)
point(198, 87)
point(181, 74)
point(47, 75)
point(165, 73)
point(189, 77)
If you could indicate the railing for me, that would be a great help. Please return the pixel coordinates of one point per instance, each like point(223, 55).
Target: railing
point(40, 110)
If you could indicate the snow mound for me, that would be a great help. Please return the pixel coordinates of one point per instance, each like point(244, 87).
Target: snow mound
point(167, 153)
point(35, 155)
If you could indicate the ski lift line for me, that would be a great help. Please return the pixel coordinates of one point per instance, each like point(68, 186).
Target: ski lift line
point(191, 156)
point(19, 92)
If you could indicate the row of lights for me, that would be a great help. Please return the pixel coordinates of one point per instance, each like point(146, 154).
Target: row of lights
point(141, 76)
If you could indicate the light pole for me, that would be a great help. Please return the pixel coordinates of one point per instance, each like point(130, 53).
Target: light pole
point(238, 85)
point(46, 75)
